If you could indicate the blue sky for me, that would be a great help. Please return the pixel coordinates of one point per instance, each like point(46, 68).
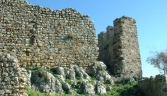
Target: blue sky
point(150, 16)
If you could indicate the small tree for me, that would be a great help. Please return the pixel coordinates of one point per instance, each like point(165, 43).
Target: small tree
point(159, 60)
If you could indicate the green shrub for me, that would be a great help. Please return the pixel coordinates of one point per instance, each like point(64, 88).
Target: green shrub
point(120, 89)
point(68, 81)
point(117, 90)
point(70, 36)
point(32, 92)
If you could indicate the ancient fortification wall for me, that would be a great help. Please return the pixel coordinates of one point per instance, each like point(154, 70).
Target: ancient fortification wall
point(40, 36)
point(118, 48)
point(154, 86)
point(104, 44)
point(12, 77)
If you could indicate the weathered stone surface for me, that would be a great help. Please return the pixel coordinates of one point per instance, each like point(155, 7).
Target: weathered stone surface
point(60, 71)
point(100, 88)
point(87, 88)
point(61, 77)
point(70, 73)
point(58, 38)
point(12, 76)
point(66, 87)
point(80, 72)
point(45, 82)
point(98, 70)
point(75, 71)
point(2, 92)
point(101, 66)
point(119, 49)
point(95, 67)
point(79, 80)
point(103, 74)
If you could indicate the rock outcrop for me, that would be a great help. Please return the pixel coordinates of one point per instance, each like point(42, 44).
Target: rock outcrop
point(100, 88)
point(71, 80)
point(45, 82)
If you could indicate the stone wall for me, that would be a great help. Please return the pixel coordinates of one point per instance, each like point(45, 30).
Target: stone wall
point(119, 46)
point(105, 46)
point(154, 86)
point(40, 36)
point(37, 36)
point(12, 77)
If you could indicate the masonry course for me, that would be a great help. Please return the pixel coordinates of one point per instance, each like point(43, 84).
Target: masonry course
point(40, 36)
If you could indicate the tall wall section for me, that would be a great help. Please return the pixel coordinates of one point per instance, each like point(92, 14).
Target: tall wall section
point(40, 36)
point(122, 48)
point(105, 40)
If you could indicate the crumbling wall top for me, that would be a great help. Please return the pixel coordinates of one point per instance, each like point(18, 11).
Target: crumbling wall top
point(122, 20)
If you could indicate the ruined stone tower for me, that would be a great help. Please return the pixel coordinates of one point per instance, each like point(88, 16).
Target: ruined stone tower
point(119, 49)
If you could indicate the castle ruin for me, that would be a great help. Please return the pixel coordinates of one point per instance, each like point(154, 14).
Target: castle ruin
point(119, 49)
point(42, 37)
point(39, 36)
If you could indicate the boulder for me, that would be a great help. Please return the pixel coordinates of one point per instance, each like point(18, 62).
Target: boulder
point(70, 73)
point(87, 88)
point(101, 66)
point(61, 77)
point(110, 81)
point(95, 67)
point(45, 82)
point(104, 77)
point(60, 71)
point(80, 72)
point(100, 88)
point(66, 87)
